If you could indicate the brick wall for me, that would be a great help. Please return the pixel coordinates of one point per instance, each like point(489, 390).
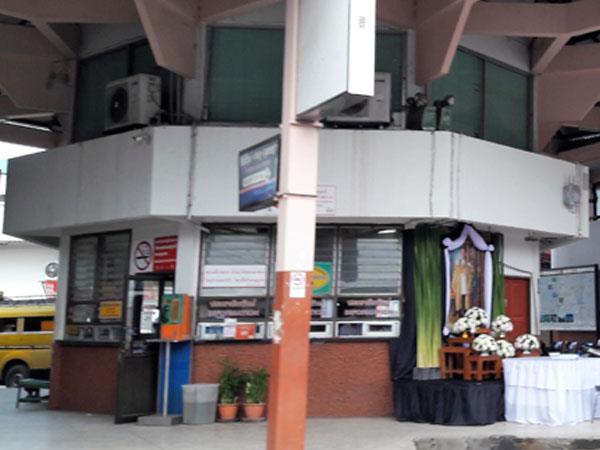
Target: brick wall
point(345, 379)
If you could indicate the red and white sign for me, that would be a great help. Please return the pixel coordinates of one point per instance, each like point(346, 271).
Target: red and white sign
point(244, 331)
point(165, 253)
point(219, 276)
point(50, 287)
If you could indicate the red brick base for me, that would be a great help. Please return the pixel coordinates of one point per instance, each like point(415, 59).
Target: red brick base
point(84, 379)
point(345, 379)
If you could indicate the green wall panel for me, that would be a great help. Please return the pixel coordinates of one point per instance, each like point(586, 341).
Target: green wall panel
point(389, 53)
point(506, 106)
point(246, 74)
point(94, 74)
point(465, 82)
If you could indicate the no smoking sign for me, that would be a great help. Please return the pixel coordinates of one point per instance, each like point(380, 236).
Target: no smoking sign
point(142, 255)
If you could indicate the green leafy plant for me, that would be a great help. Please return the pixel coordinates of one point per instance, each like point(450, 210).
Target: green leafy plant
point(256, 386)
point(231, 382)
point(428, 295)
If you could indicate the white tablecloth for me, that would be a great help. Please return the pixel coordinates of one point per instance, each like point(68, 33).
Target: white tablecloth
point(550, 391)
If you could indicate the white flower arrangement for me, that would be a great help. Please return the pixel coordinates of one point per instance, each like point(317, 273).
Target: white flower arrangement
point(484, 343)
point(478, 315)
point(505, 348)
point(464, 324)
point(527, 342)
point(502, 324)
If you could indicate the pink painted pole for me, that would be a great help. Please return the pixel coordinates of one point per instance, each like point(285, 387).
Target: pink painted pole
point(288, 384)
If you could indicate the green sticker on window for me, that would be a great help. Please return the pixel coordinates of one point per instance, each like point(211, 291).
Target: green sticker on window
point(322, 278)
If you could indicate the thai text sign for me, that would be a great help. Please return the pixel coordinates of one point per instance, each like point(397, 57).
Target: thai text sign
point(259, 174)
point(246, 276)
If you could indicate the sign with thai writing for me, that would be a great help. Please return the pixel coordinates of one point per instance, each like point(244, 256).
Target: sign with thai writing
point(165, 253)
point(326, 200)
point(259, 175)
point(222, 276)
point(244, 331)
point(238, 308)
point(378, 308)
point(110, 311)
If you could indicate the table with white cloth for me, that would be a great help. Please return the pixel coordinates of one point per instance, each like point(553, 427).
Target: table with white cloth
point(550, 391)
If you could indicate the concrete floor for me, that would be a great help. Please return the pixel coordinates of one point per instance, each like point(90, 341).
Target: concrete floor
point(33, 427)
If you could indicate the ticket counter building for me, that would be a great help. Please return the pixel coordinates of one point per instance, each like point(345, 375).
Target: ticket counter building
point(138, 212)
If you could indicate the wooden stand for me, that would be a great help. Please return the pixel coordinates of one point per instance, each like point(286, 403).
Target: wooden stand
point(454, 360)
point(481, 367)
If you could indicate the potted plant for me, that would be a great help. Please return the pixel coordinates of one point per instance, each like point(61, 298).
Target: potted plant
point(479, 315)
point(502, 325)
point(527, 343)
point(230, 384)
point(485, 344)
point(255, 394)
point(464, 326)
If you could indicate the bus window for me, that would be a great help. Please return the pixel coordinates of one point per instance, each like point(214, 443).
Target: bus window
point(8, 325)
point(38, 324)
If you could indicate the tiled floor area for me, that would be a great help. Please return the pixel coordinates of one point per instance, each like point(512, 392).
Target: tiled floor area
point(33, 427)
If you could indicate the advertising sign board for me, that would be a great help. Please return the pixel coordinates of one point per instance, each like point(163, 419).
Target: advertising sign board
point(259, 175)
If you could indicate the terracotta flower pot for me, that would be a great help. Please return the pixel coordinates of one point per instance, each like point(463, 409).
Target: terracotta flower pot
point(254, 411)
point(228, 411)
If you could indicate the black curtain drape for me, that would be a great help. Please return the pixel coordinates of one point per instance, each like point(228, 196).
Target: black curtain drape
point(403, 350)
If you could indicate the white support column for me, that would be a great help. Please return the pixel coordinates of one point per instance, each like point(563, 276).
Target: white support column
point(60, 314)
point(188, 259)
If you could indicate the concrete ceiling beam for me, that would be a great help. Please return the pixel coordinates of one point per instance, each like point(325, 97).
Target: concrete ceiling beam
point(33, 73)
point(544, 51)
point(24, 136)
point(26, 42)
point(172, 33)
point(440, 27)
point(517, 19)
point(576, 58)
point(214, 10)
point(400, 14)
point(8, 110)
point(71, 11)
point(66, 38)
point(588, 155)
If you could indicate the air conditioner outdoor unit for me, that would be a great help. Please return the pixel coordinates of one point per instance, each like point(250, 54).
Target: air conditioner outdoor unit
point(131, 101)
point(372, 111)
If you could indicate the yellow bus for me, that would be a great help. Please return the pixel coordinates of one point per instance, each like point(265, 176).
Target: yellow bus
point(26, 333)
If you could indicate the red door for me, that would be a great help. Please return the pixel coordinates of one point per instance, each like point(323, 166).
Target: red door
point(516, 292)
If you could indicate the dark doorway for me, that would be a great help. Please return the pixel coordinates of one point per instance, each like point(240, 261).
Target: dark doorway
point(139, 354)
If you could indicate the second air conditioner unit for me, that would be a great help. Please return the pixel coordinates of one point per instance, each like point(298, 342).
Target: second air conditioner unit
point(131, 101)
point(372, 111)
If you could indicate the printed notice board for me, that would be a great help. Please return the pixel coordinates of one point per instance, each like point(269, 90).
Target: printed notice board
point(568, 299)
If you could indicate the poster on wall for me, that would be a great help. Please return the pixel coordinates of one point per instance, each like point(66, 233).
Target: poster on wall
point(469, 275)
point(466, 279)
point(568, 299)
